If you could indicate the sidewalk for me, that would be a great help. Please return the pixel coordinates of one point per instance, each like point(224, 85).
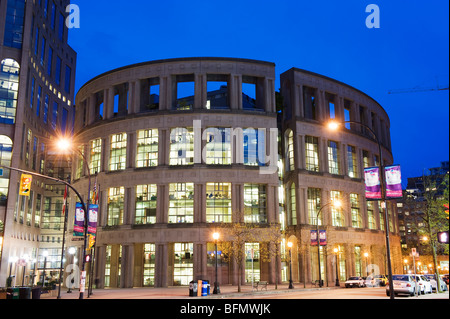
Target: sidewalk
point(226, 291)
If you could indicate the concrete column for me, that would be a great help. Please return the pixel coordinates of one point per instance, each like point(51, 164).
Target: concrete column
point(91, 109)
point(127, 266)
point(299, 102)
point(201, 91)
point(200, 261)
point(162, 265)
point(235, 92)
point(100, 262)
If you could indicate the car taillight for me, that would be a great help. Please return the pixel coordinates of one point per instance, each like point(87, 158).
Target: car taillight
point(408, 285)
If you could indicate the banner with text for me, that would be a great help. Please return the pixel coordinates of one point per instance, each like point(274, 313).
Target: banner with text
point(372, 180)
point(393, 182)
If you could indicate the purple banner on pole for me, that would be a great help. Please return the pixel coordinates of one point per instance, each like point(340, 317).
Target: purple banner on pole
point(78, 227)
point(393, 181)
point(372, 180)
point(322, 237)
point(92, 221)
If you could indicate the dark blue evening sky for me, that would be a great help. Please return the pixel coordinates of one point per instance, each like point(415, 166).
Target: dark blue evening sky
point(409, 50)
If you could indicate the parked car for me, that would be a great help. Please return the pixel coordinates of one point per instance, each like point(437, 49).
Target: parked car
point(355, 282)
point(380, 280)
point(445, 278)
point(402, 284)
point(432, 279)
point(424, 284)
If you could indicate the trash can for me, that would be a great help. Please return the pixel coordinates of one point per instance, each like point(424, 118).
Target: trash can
point(12, 293)
point(36, 293)
point(204, 288)
point(193, 289)
point(24, 293)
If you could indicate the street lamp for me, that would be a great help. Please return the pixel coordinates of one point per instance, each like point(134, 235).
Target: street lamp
point(333, 125)
point(291, 284)
point(367, 263)
point(65, 145)
point(216, 290)
point(337, 204)
point(336, 251)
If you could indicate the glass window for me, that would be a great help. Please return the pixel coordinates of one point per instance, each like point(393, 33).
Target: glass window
point(358, 261)
point(147, 148)
point(146, 204)
point(181, 203)
point(290, 163)
point(371, 215)
point(55, 115)
point(64, 117)
point(61, 27)
point(355, 211)
point(366, 162)
point(14, 22)
point(352, 162)
point(46, 101)
point(293, 205)
point(337, 215)
point(108, 255)
point(53, 16)
point(6, 146)
point(252, 264)
point(37, 212)
point(38, 104)
point(118, 152)
point(43, 43)
point(182, 146)
point(115, 206)
point(254, 147)
point(183, 266)
point(149, 265)
point(218, 203)
point(333, 158)
point(312, 153)
point(381, 212)
point(9, 90)
point(314, 200)
point(33, 81)
point(255, 204)
point(95, 156)
point(218, 146)
point(58, 70)
point(68, 79)
point(50, 62)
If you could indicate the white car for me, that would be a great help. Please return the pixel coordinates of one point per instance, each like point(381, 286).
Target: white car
point(424, 284)
point(355, 282)
point(432, 279)
point(402, 284)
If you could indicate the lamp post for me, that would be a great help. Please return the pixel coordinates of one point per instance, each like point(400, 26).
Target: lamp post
point(291, 284)
point(63, 145)
point(336, 203)
point(334, 126)
point(216, 283)
point(336, 251)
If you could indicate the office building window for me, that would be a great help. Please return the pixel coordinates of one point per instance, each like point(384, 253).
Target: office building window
point(68, 79)
point(293, 205)
point(314, 201)
point(254, 147)
point(312, 153)
point(146, 204)
point(366, 161)
point(115, 206)
point(290, 163)
point(218, 146)
point(218, 203)
point(333, 158)
point(181, 203)
point(382, 214)
point(147, 148)
point(149, 265)
point(14, 22)
point(355, 211)
point(337, 215)
point(352, 162)
point(182, 146)
point(6, 146)
point(95, 156)
point(371, 216)
point(255, 203)
point(118, 152)
point(183, 266)
point(9, 90)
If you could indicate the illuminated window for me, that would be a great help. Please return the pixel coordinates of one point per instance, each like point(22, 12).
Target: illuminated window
point(146, 204)
point(149, 265)
point(312, 153)
point(333, 158)
point(15, 13)
point(147, 148)
point(366, 162)
point(118, 152)
point(352, 162)
point(183, 266)
point(371, 216)
point(6, 146)
point(218, 146)
point(293, 205)
point(95, 155)
point(9, 90)
point(182, 146)
point(115, 206)
point(218, 202)
point(181, 203)
point(252, 264)
point(337, 215)
point(381, 212)
point(314, 200)
point(254, 147)
point(290, 163)
point(355, 211)
point(255, 205)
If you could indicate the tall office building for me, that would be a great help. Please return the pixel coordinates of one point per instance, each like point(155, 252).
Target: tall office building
point(36, 104)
